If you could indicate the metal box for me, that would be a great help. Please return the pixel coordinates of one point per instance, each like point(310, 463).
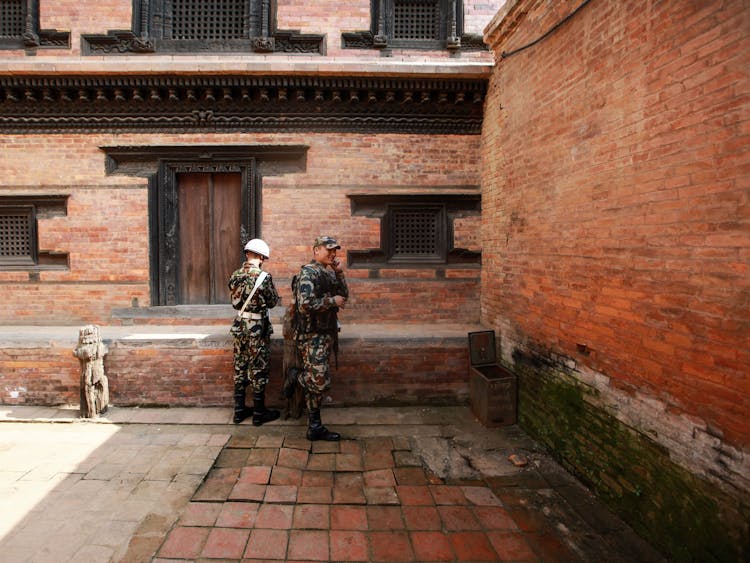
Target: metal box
point(493, 389)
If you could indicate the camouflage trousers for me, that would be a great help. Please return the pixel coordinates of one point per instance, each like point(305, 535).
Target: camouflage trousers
point(315, 378)
point(252, 361)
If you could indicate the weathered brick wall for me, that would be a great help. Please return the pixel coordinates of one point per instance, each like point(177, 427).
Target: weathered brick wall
point(675, 507)
point(616, 251)
point(194, 371)
point(105, 231)
point(39, 375)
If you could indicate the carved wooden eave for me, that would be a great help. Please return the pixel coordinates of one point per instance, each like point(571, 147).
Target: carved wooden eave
point(179, 103)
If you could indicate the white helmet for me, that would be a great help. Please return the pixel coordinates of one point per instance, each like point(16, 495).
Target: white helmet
point(259, 247)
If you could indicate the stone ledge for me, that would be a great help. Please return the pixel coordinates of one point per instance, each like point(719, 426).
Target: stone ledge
point(266, 66)
point(34, 336)
point(191, 365)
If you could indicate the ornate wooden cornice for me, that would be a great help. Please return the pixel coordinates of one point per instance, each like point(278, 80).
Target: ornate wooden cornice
point(30, 104)
point(145, 160)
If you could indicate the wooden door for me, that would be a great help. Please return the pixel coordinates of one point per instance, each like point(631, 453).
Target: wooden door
point(209, 219)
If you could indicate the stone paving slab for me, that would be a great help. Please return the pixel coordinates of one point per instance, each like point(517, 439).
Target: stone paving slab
point(76, 492)
point(405, 484)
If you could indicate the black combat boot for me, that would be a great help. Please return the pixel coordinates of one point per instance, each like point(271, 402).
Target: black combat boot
point(241, 412)
point(316, 430)
point(261, 414)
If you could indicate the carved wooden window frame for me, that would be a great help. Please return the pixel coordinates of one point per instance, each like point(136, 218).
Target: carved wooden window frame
point(31, 36)
point(381, 34)
point(33, 208)
point(445, 207)
point(152, 32)
point(164, 218)
point(161, 164)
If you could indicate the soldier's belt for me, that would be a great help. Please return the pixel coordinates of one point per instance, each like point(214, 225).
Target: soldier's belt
point(251, 316)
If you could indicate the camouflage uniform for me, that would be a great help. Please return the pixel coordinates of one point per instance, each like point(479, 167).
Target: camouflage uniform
point(252, 336)
point(317, 327)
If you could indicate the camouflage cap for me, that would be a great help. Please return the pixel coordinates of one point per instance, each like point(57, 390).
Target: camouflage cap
point(328, 242)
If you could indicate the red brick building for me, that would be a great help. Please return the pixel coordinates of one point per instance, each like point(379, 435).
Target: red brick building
point(144, 141)
point(584, 193)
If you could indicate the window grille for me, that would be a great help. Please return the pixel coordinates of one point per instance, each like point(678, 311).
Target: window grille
point(12, 18)
point(416, 20)
point(17, 235)
point(416, 233)
point(209, 19)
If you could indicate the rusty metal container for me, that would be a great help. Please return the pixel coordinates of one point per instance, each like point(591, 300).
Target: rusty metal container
point(493, 389)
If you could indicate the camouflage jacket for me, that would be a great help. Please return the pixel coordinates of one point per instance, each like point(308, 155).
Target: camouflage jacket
point(316, 287)
point(241, 285)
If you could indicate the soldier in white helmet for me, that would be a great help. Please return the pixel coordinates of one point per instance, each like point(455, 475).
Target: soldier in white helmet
point(253, 295)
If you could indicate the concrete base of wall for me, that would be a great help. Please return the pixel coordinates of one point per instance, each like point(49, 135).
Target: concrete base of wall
point(191, 365)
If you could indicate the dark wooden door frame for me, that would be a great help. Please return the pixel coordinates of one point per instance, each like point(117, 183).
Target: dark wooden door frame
point(167, 239)
point(161, 164)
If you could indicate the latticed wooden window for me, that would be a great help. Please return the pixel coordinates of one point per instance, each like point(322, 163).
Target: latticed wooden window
point(209, 19)
point(17, 235)
point(416, 230)
point(12, 15)
point(416, 233)
point(415, 20)
point(414, 24)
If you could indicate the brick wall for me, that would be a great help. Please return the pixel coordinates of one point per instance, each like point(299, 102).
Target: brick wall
point(616, 239)
point(146, 371)
point(105, 231)
point(32, 375)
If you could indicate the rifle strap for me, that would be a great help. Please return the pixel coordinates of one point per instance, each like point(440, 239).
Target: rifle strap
point(258, 281)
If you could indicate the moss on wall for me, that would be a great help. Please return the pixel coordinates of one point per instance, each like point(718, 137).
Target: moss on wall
point(684, 516)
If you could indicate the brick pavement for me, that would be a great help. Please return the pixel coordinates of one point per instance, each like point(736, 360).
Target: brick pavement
point(186, 485)
point(283, 498)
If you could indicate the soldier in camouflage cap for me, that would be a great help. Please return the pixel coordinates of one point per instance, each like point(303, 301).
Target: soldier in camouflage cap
point(252, 331)
point(320, 292)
